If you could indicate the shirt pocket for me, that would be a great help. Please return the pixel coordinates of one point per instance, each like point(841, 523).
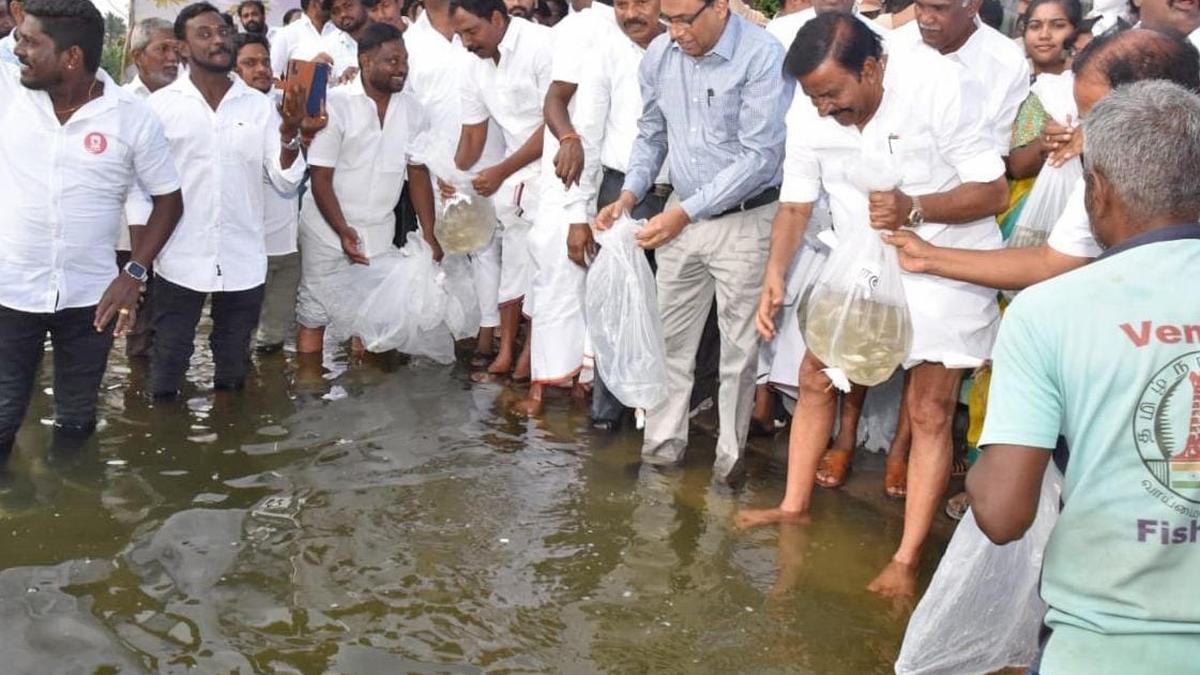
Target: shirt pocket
point(521, 97)
point(722, 114)
point(915, 155)
point(240, 144)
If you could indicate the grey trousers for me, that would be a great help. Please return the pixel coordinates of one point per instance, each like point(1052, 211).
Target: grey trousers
point(726, 255)
point(278, 315)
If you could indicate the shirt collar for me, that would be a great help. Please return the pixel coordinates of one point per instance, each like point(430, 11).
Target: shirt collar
point(139, 87)
point(512, 36)
point(1155, 236)
point(184, 85)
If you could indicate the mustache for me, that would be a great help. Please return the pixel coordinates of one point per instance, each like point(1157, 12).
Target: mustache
point(630, 23)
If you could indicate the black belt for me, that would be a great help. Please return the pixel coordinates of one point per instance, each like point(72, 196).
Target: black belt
point(658, 189)
point(763, 198)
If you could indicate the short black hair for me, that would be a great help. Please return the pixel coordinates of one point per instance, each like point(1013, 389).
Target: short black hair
point(252, 3)
point(287, 16)
point(72, 23)
point(480, 8)
point(991, 13)
point(1071, 8)
point(242, 39)
point(832, 35)
point(190, 12)
point(375, 34)
point(1139, 54)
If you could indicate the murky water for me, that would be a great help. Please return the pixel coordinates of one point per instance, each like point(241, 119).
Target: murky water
point(385, 517)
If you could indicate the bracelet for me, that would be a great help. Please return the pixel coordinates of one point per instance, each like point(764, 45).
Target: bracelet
point(568, 137)
point(293, 144)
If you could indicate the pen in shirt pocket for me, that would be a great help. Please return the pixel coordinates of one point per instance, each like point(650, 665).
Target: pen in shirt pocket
point(709, 98)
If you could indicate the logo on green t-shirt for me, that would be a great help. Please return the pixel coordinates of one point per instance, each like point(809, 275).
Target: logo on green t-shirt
point(1166, 426)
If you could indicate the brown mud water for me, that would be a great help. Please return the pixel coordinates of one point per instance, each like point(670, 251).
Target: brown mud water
point(385, 517)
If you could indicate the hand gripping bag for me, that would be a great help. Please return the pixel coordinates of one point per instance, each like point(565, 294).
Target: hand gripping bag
point(982, 612)
point(466, 221)
point(856, 317)
point(622, 319)
point(1048, 197)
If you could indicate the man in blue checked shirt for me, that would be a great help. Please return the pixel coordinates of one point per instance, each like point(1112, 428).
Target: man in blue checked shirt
point(713, 92)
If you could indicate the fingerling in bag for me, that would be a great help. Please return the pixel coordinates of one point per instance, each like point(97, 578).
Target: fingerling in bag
point(623, 321)
point(857, 321)
point(466, 221)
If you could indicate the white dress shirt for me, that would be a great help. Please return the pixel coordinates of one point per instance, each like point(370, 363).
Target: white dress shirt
point(63, 187)
point(219, 244)
point(138, 205)
point(338, 45)
point(784, 28)
point(281, 208)
point(995, 61)
point(368, 162)
point(297, 35)
point(930, 123)
point(512, 92)
point(1072, 232)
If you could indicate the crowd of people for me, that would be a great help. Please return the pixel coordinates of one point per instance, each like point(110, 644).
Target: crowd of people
point(742, 145)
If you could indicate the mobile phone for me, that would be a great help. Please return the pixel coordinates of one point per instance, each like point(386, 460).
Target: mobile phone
point(314, 80)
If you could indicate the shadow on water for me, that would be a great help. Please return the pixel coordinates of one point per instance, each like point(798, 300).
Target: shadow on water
point(383, 516)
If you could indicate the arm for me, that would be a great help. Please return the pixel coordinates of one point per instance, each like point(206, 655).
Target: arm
point(761, 133)
point(321, 184)
point(420, 191)
point(1027, 160)
point(1005, 487)
point(787, 233)
point(568, 163)
point(471, 142)
point(1005, 268)
point(489, 180)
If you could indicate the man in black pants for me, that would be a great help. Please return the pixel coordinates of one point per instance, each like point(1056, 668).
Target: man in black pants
point(63, 180)
point(224, 136)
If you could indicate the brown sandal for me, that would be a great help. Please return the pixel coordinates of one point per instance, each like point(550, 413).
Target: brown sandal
point(836, 464)
point(895, 479)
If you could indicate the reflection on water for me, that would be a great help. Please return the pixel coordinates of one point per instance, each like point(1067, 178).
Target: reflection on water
point(384, 517)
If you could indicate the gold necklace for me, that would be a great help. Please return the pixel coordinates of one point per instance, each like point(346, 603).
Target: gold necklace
point(91, 90)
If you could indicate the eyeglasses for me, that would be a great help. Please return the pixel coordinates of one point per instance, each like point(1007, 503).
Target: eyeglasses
point(684, 21)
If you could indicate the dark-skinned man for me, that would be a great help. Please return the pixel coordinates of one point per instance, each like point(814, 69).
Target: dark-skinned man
point(922, 112)
point(358, 165)
point(1106, 356)
point(7, 23)
point(558, 331)
point(252, 15)
point(73, 145)
point(9, 41)
point(505, 84)
point(713, 93)
point(339, 48)
point(224, 136)
point(300, 35)
point(155, 53)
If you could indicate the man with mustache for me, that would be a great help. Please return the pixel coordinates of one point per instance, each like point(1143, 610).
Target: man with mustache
point(358, 166)
point(300, 35)
point(73, 145)
point(339, 47)
point(879, 108)
point(521, 9)
point(224, 136)
point(506, 84)
point(253, 16)
point(155, 52)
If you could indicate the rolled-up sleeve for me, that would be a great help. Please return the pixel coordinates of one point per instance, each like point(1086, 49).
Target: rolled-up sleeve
point(650, 148)
point(1025, 402)
point(962, 133)
point(801, 165)
point(285, 180)
point(765, 97)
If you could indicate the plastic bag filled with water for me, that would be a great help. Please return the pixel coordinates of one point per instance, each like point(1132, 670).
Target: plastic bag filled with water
point(623, 321)
point(466, 221)
point(1048, 198)
point(462, 315)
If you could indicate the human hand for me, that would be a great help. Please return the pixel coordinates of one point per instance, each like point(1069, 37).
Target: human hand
point(1069, 145)
point(613, 212)
point(445, 189)
point(568, 163)
point(348, 75)
point(323, 58)
point(292, 109)
point(486, 182)
point(352, 247)
point(916, 254)
point(581, 245)
point(889, 210)
point(120, 300)
point(438, 254)
point(770, 301)
point(662, 228)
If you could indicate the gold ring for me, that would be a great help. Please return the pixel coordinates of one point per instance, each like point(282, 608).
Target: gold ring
point(123, 311)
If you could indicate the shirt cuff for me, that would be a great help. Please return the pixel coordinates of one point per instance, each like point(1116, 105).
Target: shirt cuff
point(695, 208)
point(982, 168)
point(637, 184)
point(164, 189)
point(799, 191)
point(1028, 437)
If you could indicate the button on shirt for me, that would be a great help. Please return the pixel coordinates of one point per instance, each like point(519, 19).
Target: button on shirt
point(512, 91)
point(368, 162)
point(994, 60)
point(722, 116)
point(63, 187)
point(221, 155)
point(299, 34)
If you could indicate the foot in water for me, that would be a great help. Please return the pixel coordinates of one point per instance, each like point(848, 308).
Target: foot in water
point(897, 580)
point(834, 468)
point(532, 405)
point(750, 518)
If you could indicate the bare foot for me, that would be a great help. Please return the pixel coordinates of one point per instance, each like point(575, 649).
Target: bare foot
point(527, 407)
point(750, 518)
point(897, 580)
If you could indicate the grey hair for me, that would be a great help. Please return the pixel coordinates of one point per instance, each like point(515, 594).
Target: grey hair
point(1145, 138)
point(144, 30)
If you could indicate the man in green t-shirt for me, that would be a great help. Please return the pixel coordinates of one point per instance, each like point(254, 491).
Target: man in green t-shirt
point(1108, 356)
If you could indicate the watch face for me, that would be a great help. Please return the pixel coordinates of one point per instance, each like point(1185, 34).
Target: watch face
point(135, 269)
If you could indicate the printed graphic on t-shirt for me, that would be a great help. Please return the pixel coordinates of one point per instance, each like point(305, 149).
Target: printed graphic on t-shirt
point(1166, 427)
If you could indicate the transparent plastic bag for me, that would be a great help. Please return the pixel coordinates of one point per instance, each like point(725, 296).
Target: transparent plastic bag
point(856, 316)
point(1048, 198)
point(462, 313)
point(397, 302)
point(982, 611)
point(466, 221)
point(623, 321)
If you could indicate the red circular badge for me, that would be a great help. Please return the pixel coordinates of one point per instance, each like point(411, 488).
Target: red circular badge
point(95, 143)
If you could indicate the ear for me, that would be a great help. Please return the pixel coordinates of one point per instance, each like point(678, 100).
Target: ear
point(73, 58)
point(1099, 194)
point(872, 71)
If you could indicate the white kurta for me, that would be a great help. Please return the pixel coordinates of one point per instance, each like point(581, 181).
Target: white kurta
point(930, 123)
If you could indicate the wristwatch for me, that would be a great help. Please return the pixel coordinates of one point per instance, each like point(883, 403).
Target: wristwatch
point(135, 269)
point(916, 216)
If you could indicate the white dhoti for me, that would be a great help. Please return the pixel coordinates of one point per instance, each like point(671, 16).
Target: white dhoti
point(322, 257)
point(516, 207)
point(485, 270)
point(555, 302)
point(779, 360)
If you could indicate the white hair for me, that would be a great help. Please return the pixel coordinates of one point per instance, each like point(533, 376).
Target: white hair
point(144, 30)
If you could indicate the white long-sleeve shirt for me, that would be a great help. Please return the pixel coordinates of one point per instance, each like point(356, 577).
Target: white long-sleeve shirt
point(222, 154)
point(297, 35)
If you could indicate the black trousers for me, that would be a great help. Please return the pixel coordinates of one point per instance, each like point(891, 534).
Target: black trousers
point(80, 357)
point(605, 406)
point(177, 311)
point(406, 218)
